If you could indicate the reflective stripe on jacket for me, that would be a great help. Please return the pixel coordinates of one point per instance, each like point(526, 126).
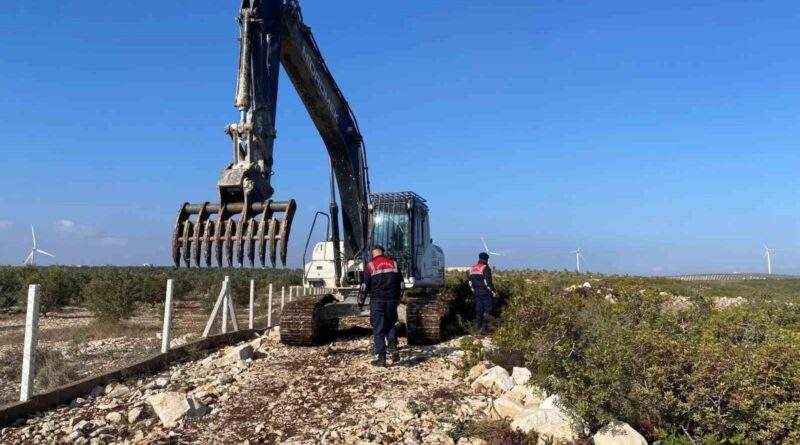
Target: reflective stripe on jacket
point(480, 279)
point(382, 279)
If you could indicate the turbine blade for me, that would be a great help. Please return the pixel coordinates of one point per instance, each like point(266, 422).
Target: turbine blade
point(33, 235)
point(496, 253)
point(45, 253)
point(28, 259)
point(485, 247)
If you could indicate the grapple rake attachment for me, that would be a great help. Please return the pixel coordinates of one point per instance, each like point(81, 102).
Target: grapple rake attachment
point(234, 229)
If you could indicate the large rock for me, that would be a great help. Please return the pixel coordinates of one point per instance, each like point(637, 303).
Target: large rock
point(477, 370)
point(618, 433)
point(256, 344)
point(495, 380)
point(520, 375)
point(552, 402)
point(506, 407)
point(528, 395)
point(550, 424)
point(135, 414)
point(235, 355)
point(115, 417)
point(170, 407)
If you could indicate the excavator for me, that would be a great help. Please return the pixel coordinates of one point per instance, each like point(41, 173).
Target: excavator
point(247, 222)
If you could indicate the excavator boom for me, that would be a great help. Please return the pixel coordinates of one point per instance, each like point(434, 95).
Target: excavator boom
point(247, 222)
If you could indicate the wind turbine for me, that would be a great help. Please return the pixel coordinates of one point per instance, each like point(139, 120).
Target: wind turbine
point(578, 256)
point(32, 256)
point(486, 249)
point(768, 256)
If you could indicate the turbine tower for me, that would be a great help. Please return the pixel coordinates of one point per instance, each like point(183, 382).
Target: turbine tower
point(32, 256)
point(768, 256)
point(578, 256)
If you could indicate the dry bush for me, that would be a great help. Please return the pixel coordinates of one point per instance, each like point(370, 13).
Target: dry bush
point(52, 368)
point(494, 432)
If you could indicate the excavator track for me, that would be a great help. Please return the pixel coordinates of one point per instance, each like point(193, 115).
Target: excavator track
point(301, 322)
point(424, 318)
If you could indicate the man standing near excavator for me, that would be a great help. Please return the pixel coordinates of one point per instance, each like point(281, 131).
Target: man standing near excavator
point(480, 281)
point(383, 283)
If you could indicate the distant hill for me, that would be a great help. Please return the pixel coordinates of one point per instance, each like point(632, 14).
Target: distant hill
point(732, 277)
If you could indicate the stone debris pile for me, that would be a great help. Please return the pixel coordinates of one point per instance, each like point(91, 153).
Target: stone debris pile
point(531, 409)
point(261, 391)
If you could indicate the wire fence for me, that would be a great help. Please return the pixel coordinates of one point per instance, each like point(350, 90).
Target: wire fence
point(72, 343)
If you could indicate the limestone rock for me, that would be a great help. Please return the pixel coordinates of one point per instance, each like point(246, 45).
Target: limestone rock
point(256, 344)
point(163, 380)
point(114, 418)
point(550, 424)
point(506, 407)
point(234, 355)
point(618, 433)
point(494, 380)
point(380, 403)
point(118, 391)
point(170, 407)
point(477, 370)
point(134, 414)
point(552, 402)
point(528, 395)
point(521, 376)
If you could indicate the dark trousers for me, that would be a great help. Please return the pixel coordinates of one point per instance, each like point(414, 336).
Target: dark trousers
point(483, 304)
point(383, 316)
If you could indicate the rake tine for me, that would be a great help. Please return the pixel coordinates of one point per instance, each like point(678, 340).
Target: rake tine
point(273, 240)
point(237, 243)
point(230, 228)
point(208, 236)
point(251, 243)
point(187, 243)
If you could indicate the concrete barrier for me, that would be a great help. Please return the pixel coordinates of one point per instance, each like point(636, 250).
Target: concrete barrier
point(63, 395)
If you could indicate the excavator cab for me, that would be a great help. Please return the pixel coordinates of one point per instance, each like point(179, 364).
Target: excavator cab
point(399, 222)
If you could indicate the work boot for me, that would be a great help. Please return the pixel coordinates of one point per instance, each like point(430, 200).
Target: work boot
point(394, 353)
point(379, 362)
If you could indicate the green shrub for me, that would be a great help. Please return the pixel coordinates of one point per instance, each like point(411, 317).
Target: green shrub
point(723, 376)
point(111, 300)
point(10, 287)
point(59, 288)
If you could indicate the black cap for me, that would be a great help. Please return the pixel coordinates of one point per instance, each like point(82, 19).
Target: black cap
point(378, 247)
point(483, 256)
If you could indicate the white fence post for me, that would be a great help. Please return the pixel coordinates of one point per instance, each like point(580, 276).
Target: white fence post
point(225, 299)
point(291, 290)
point(31, 339)
point(232, 308)
point(269, 307)
point(166, 332)
point(220, 301)
point(252, 305)
point(283, 295)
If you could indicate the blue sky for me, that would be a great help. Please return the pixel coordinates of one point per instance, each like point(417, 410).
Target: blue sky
point(661, 137)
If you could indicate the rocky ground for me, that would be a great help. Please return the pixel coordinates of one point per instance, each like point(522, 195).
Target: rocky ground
point(263, 392)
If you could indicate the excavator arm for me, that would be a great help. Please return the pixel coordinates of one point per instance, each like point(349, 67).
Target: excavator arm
point(271, 34)
point(335, 122)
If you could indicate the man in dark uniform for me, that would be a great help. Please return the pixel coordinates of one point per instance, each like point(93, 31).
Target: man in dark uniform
point(480, 281)
point(383, 283)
